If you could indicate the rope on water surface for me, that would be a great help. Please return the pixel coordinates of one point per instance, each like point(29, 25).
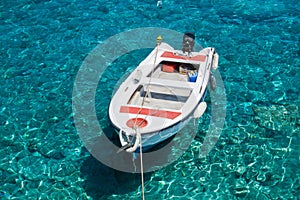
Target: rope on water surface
point(142, 165)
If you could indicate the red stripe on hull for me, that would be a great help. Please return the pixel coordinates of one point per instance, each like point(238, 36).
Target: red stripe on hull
point(151, 112)
point(168, 54)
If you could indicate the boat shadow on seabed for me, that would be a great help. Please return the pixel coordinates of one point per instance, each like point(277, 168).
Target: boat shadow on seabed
point(101, 180)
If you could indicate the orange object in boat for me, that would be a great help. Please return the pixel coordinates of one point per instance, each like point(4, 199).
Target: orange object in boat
point(169, 67)
point(137, 122)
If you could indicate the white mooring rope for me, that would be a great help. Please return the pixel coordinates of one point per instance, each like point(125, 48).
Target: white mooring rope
point(137, 126)
point(142, 166)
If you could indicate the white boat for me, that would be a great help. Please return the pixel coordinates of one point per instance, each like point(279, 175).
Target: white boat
point(162, 94)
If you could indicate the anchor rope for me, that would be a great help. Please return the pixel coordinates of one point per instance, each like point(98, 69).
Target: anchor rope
point(135, 126)
point(138, 133)
point(158, 42)
point(142, 165)
point(152, 70)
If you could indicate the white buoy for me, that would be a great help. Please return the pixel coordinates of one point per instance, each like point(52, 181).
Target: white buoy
point(159, 4)
point(200, 109)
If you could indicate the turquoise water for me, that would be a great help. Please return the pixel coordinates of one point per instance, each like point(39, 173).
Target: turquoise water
point(43, 44)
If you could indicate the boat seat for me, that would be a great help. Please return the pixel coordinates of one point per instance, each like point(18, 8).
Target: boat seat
point(184, 92)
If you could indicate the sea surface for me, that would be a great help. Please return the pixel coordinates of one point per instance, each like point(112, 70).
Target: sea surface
point(43, 43)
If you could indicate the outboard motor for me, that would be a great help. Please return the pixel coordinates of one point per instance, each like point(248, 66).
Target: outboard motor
point(188, 42)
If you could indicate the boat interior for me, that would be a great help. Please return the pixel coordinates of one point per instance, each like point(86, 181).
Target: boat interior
point(172, 95)
point(174, 71)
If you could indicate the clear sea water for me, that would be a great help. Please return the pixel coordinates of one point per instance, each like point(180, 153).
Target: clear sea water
point(42, 46)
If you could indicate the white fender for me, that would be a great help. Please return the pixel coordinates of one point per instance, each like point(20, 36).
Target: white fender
point(200, 109)
point(215, 61)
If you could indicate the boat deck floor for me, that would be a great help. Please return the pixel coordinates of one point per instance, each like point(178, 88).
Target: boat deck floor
point(159, 104)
